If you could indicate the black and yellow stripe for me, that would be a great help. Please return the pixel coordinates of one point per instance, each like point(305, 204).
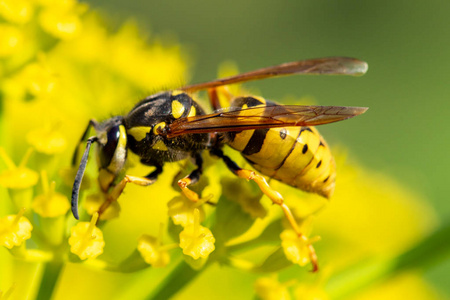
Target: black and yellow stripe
point(297, 156)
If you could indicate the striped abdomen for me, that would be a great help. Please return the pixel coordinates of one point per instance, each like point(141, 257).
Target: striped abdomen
point(297, 156)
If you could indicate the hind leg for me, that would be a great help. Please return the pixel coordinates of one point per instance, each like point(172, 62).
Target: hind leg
point(274, 196)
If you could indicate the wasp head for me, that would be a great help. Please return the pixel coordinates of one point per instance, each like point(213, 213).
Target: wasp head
point(111, 138)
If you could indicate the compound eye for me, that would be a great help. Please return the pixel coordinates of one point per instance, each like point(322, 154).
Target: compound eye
point(108, 150)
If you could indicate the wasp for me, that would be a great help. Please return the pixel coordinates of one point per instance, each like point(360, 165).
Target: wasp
point(279, 141)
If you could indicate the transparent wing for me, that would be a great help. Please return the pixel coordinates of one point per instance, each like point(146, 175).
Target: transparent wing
point(329, 66)
point(262, 117)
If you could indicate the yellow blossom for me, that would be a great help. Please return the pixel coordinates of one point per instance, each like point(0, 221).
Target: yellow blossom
point(195, 240)
point(16, 11)
point(86, 240)
point(270, 289)
point(47, 140)
point(50, 203)
point(76, 69)
point(297, 249)
point(62, 21)
point(93, 202)
point(11, 39)
point(37, 78)
point(14, 230)
point(181, 210)
point(152, 252)
point(17, 177)
point(242, 192)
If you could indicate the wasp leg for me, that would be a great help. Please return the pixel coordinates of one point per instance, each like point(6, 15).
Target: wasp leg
point(117, 190)
point(191, 179)
point(214, 96)
point(273, 195)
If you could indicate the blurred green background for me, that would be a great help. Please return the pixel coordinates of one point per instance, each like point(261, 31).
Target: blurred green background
point(406, 43)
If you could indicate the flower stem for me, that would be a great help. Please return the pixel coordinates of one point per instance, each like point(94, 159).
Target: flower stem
point(49, 279)
point(429, 251)
point(182, 275)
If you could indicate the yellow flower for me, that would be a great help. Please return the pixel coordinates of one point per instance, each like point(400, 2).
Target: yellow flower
point(62, 19)
point(181, 210)
point(195, 240)
point(93, 202)
point(297, 249)
point(11, 39)
point(50, 203)
point(14, 230)
point(240, 191)
point(76, 69)
point(47, 140)
point(17, 177)
point(86, 240)
point(152, 252)
point(270, 289)
point(16, 11)
point(38, 78)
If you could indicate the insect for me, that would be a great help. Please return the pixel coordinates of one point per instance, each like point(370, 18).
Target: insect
point(277, 140)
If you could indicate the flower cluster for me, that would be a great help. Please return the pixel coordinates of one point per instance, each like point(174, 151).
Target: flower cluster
point(60, 66)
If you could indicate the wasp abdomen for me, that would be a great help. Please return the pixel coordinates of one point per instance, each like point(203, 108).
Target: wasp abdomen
point(297, 156)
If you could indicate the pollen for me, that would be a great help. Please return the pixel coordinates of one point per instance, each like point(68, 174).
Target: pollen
point(14, 230)
point(17, 177)
point(86, 240)
point(195, 240)
point(50, 203)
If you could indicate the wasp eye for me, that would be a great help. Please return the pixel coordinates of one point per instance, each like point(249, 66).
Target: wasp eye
point(107, 151)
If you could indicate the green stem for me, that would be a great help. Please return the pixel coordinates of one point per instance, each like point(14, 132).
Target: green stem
point(175, 281)
point(428, 252)
point(49, 279)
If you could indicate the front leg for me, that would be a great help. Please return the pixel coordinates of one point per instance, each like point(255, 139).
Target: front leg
point(192, 178)
point(117, 190)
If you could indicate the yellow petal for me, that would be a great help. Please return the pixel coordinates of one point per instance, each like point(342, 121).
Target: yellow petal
point(151, 251)
point(14, 230)
point(86, 240)
point(11, 38)
point(270, 289)
point(195, 240)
